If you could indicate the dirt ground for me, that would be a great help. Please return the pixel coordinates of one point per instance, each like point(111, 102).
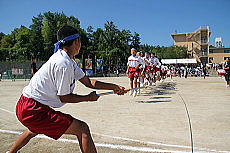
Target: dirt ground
point(154, 121)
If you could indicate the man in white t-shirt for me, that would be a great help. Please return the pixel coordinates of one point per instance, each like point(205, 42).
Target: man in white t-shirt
point(52, 86)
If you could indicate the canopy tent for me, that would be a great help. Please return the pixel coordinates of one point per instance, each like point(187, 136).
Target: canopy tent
point(178, 61)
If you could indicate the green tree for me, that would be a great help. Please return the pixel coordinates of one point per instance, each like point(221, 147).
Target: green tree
point(109, 43)
point(148, 48)
point(136, 41)
point(171, 52)
point(6, 41)
point(22, 47)
point(124, 52)
point(51, 23)
point(48, 31)
point(4, 54)
point(1, 35)
point(36, 39)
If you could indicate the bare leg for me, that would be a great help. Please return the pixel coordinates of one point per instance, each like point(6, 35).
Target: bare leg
point(135, 82)
point(154, 78)
point(22, 140)
point(138, 83)
point(81, 130)
point(131, 83)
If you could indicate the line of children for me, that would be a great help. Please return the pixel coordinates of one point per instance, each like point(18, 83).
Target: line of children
point(143, 69)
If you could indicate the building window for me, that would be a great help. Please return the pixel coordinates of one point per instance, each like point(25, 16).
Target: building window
point(226, 51)
point(217, 51)
point(226, 57)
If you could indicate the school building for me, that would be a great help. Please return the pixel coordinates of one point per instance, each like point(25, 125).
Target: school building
point(198, 46)
point(218, 55)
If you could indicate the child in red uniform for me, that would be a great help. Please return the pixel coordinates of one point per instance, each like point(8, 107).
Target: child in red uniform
point(148, 72)
point(134, 62)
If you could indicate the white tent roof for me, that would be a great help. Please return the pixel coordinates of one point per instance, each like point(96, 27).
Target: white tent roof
point(168, 61)
point(178, 61)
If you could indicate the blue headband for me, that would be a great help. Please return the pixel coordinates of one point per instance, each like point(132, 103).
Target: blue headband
point(56, 45)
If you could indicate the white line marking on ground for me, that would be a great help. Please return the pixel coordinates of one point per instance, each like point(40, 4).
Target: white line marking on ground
point(139, 141)
point(125, 147)
point(156, 143)
point(128, 139)
point(7, 111)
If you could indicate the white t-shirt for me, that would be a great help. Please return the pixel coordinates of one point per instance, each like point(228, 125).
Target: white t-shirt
point(142, 62)
point(56, 77)
point(155, 61)
point(147, 61)
point(221, 71)
point(134, 61)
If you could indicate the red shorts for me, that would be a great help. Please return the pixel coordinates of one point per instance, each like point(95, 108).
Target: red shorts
point(154, 70)
point(133, 72)
point(163, 73)
point(151, 70)
point(42, 119)
point(158, 69)
point(221, 73)
point(148, 69)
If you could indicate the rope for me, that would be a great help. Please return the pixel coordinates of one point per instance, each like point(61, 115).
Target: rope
point(126, 90)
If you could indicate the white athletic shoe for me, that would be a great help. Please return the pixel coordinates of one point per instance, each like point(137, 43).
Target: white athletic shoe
point(134, 93)
point(141, 84)
point(227, 85)
point(131, 92)
point(17, 152)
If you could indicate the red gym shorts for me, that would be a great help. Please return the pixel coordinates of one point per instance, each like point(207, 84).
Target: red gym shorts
point(42, 119)
point(163, 73)
point(133, 72)
point(148, 69)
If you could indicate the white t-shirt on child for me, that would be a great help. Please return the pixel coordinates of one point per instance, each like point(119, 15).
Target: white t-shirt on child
point(56, 77)
point(134, 61)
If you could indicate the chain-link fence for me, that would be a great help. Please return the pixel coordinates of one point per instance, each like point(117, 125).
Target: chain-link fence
point(16, 70)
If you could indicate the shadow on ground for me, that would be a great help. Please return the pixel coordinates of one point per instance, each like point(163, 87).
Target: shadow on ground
point(157, 101)
point(159, 97)
point(164, 89)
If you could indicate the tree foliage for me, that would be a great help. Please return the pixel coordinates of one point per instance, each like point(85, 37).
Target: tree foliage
point(109, 42)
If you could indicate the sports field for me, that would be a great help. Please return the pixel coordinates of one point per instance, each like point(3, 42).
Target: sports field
point(154, 121)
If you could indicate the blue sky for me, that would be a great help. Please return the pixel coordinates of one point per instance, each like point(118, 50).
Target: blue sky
point(154, 20)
